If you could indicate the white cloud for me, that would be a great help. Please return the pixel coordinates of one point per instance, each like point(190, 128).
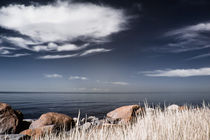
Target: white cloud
point(59, 48)
point(20, 42)
point(57, 56)
point(15, 55)
point(61, 23)
point(200, 56)
point(77, 78)
point(92, 51)
point(117, 83)
point(189, 38)
point(179, 72)
point(120, 83)
point(2, 51)
point(53, 75)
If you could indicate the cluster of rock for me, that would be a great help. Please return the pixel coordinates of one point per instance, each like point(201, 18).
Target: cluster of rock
point(14, 127)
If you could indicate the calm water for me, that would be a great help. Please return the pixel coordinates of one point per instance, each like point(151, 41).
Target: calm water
point(34, 104)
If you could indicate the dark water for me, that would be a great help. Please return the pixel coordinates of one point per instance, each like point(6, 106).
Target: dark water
point(34, 104)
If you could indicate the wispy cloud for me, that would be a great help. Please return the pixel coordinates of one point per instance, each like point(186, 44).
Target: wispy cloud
point(119, 83)
point(61, 25)
point(77, 78)
point(189, 38)
point(93, 51)
point(200, 56)
point(14, 55)
point(53, 75)
point(57, 56)
point(179, 72)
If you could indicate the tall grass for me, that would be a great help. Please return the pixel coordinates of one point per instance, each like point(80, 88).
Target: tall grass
point(190, 124)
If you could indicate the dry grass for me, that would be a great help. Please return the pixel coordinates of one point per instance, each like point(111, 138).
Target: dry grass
point(192, 124)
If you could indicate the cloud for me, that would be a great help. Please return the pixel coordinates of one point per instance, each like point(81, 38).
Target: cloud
point(58, 26)
point(14, 55)
point(57, 56)
point(53, 75)
point(179, 72)
point(77, 78)
point(116, 83)
point(120, 83)
point(200, 56)
point(93, 51)
point(188, 38)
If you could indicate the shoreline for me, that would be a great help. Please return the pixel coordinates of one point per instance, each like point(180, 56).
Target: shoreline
point(57, 122)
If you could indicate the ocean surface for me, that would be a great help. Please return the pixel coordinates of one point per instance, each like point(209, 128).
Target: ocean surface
point(32, 105)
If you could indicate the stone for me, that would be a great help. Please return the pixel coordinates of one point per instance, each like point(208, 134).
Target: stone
point(86, 126)
point(40, 131)
point(15, 137)
point(173, 107)
point(10, 119)
point(123, 114)
point(61, 121)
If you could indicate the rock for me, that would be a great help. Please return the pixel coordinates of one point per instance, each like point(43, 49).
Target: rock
point(10, 119)
point(173, 107)
point(123, 114)
point(39, 132)
point(15, 137)
point(86, 126)
point(91, 119)
point(59, 120)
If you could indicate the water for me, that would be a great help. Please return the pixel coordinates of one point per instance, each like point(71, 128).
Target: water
point(32, 105)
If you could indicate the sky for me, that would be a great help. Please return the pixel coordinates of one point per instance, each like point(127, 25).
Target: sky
point(105, 45)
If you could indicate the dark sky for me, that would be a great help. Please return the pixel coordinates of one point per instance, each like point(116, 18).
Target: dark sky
point(105, 45)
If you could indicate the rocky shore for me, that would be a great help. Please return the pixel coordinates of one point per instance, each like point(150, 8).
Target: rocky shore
point(13, 126)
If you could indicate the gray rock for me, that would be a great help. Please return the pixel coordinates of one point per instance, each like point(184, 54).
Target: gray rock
point(86, 126)
point(91, 119)
point(14, 137)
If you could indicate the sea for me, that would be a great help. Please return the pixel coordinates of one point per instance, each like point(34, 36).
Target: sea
point(33, 104)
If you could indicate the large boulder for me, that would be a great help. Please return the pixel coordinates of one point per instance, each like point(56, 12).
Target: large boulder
point(123, 114)
point(61, 121)
point(10, 119)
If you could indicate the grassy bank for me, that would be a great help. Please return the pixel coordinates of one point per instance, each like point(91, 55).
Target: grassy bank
point(189, 124)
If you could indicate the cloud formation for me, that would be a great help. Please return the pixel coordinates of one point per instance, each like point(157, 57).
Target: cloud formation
point(120, 83)
point(53, 75)
point(93, 51)
point(200, 56)
point(179, 72)
point(77, 78)
point(189, 38)
point(61, 26)
point(57, 56)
